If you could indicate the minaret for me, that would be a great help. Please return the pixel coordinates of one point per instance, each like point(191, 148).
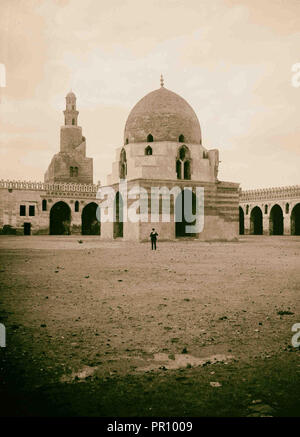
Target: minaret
point(70, 133)
point(71, 163)
point(70, 113)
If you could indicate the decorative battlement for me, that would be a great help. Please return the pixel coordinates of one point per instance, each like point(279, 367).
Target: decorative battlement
point(270, 193)
point(45, 186)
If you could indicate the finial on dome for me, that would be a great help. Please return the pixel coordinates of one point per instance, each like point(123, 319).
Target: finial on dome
point(161, 80)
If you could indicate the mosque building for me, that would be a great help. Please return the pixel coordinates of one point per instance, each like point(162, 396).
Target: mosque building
point(163, 148)
point(162, 152)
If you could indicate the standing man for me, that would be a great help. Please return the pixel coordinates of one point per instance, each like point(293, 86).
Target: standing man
point(153, 237)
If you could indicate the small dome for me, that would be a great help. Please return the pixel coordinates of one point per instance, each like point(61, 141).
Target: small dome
point(71, 95)
point(164, 115)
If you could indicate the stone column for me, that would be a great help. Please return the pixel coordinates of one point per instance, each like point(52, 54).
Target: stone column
point(247, 224)
point(266, 224)
point(76, 219)
point(107, 230)
point(287, 224)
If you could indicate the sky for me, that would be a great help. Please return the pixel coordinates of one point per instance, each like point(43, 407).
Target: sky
point(230, 59)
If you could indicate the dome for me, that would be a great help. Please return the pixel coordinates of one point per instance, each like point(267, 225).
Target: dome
point(164, 115)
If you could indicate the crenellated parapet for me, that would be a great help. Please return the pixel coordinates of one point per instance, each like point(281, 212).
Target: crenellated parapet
point(45, 186)
point(291, 191)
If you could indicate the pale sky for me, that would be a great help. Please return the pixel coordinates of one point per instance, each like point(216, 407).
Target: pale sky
point(230, 59)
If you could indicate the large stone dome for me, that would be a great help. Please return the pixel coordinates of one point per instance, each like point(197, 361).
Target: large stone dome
point(166, 116)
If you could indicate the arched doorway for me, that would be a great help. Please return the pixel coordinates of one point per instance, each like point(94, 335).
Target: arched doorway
point(60, 219)
point(276, 221)
point(256, 221)
point(118, 216)
point(89, 221)
point(241, 221)
point(295, 220)
point(185, 207)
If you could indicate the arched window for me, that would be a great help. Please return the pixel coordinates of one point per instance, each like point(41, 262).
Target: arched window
point(178, 169)
point(181, 138)
point(149, 138)
point(266, 209)
point(73, 171)
point(287, 208)
point(123, 165)
point(44, 205)
point(183, 163)
point(187, 170)
point(247, 209)
point(76, 206)
point(182, 153)
point(148, 150)
point(73, 121)
point(126, 142)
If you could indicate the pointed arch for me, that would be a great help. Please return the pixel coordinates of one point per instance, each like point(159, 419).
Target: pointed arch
point(178, 169)
point(187, 170)
point(256, 221)
point(148, 151)
point(241, 221)
point(89, 221)
point(276, 220)
point(60, 219)
point(185, 209)
point(295, 220)
point(181, 138)
point(123, 164)
point(183, 163)
point(149, 138)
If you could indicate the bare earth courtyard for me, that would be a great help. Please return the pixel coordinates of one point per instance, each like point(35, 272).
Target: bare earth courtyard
point(115, 329)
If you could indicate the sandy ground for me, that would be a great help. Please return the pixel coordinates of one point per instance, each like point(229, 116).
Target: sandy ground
point(113, 328)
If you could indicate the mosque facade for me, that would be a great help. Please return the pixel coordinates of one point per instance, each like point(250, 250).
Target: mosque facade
point(162, 158)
